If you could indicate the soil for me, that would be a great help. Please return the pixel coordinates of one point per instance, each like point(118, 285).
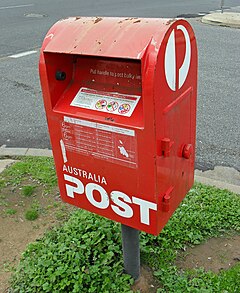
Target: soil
point(215, 255)
point(146, 283)
point(16, 232)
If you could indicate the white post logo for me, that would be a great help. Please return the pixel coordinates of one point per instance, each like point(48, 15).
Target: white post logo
point(170, 60)
point(119, 202)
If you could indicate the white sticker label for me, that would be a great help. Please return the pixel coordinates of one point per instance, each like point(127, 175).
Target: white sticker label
point(107, 142)
point(114, 103)
point(100, 126)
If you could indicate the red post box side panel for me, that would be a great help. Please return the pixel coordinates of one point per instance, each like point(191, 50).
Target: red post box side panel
point(175, 97)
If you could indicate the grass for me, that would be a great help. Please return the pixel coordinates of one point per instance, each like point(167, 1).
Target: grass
point(31, 215)
point(40, 169)
point(3, 201)
point(2, 184)
point(28, 190)
point(206, 212)
point(11, 211)
point(84, 254)
point(61, 214)
point(77, 257)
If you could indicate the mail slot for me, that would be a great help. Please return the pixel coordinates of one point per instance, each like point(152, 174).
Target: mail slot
point(120, 100)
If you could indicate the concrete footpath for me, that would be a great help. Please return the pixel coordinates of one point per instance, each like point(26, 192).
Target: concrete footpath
point(221, 177)
point(230, 19)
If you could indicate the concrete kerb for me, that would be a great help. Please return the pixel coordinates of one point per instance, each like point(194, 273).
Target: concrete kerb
point(5, 163)
point(230, 19)
point(25, 152)
point(221, 177)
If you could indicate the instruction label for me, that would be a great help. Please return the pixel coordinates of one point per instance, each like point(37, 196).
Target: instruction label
point(111, 143)
point(115, 103)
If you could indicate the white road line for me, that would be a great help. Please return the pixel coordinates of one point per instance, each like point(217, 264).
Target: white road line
point(17, 6)
point(22, 54)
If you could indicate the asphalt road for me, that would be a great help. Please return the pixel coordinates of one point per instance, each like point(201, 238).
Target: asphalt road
point(24, 23)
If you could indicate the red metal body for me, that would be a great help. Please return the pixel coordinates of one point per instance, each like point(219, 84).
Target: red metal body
point(120, 99)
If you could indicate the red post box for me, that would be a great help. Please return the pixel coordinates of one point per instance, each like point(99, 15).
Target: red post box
point(120, 100)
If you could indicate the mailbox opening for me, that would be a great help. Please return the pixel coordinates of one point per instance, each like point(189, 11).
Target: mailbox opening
point(109, 89)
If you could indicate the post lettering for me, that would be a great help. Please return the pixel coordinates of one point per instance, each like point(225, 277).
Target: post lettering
point(79, 188)
point(90, 188)
point(145, 207)
point(121, 208)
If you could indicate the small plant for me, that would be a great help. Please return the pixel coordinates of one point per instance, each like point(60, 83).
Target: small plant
point(35, 205)
point(28, 190)
point(11, 211)
point(61, 215)
point(2, 183)
point(8, 267)
point(31, 215)
point(3, 201)
point(56, 204)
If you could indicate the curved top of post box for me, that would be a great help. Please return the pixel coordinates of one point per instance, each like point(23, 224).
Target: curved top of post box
point(106, 36)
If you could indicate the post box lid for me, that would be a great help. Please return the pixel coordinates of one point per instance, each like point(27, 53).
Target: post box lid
point(106, 36)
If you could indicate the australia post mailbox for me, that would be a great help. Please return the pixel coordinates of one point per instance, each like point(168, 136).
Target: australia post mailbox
point(120, 100)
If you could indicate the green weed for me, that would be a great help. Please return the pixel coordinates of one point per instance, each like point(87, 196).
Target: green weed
point(3, 203)
point(11, 211)
point(8, 267)
point(84, 255)
point(28, 190)
point(36, 205)
point(2, 183)
point(31, 215)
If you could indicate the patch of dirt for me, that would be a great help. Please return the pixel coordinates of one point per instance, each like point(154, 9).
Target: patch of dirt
point(16, 231)
point(147, 283)
point(216, 254)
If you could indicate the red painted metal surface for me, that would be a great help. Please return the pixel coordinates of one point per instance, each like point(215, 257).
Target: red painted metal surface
point(122, 116)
